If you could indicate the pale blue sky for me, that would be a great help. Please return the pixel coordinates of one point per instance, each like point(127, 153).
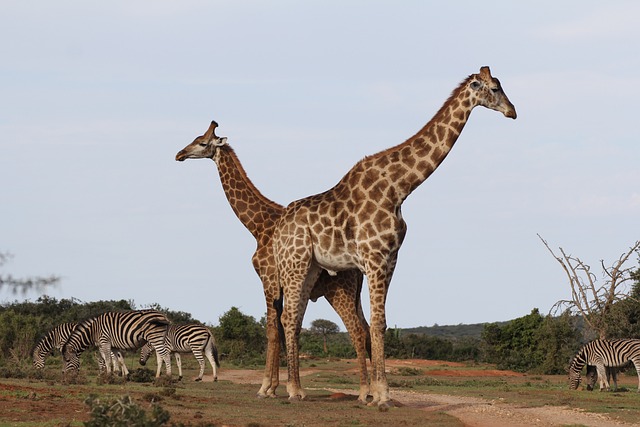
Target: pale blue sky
point(97, 98)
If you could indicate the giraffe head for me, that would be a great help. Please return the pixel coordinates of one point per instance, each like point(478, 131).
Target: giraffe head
point(486, 90)
point(204, 146)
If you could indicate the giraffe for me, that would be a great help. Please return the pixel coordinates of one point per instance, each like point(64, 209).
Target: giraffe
point(259, 215)
point(358, 223)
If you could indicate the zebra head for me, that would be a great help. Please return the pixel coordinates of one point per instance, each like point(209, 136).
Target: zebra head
point(71, 358)
point(145, 352)
point(575, 370)
point(38, 358)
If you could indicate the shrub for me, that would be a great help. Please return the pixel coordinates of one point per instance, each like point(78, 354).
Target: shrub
point(123, 412)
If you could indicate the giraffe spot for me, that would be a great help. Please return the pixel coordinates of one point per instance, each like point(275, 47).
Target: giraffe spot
point(407, 155)
point(376, 193)
point(437, 154)
point(396, 172)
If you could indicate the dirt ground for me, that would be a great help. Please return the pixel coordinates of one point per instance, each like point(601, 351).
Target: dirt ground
point(35, 403)
point(472, 412)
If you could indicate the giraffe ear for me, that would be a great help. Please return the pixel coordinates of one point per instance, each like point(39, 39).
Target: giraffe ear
point(485, 73)
point(221, 141)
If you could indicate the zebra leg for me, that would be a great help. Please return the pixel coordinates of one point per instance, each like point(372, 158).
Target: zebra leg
point(636, 363)
point(105, 353)
point(159, 361)
point(208, 351)
point(166, 356)
point(198, 355)
point(614, 374)
point(591, 377)
point(123, 366)
point(179, 363)
point(602, 374)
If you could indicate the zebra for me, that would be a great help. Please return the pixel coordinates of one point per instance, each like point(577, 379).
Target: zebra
point(602, 354)
point(189, 338)
point(55, 340)
point(128, 330)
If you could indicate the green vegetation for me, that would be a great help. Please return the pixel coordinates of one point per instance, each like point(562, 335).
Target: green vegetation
point(533, 343)
point(123, 412)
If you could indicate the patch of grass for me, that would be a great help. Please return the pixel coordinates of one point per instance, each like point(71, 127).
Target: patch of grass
point(407, 371)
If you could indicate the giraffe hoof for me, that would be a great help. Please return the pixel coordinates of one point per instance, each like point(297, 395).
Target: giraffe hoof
point(198, 379)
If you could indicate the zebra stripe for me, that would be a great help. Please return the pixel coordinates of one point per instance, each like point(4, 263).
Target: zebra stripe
point(55, 340)
point(605, 354)
point(189, 338)
point(127, 330)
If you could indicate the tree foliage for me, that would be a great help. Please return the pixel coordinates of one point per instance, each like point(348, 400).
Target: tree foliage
point(241, 337)
point(324, 328)
point(532, 343)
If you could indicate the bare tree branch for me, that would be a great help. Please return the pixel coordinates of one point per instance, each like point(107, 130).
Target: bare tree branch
point(38, 284)
point(588, 298)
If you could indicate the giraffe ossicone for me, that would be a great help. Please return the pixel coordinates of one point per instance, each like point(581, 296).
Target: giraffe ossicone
point(358, 224)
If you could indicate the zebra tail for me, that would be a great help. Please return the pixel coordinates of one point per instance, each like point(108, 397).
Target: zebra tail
point(214, 348)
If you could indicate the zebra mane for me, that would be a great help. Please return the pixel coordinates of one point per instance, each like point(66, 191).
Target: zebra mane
point(159, 322)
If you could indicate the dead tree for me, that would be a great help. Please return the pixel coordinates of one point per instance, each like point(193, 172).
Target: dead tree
point(591, 300)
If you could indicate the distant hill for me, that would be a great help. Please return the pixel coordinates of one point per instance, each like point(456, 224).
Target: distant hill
point(451, 331)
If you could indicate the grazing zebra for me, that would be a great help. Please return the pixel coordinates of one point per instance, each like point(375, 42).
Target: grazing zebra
point(55, 340)
point(602, 354)
point(190, 338)
point(128, 330)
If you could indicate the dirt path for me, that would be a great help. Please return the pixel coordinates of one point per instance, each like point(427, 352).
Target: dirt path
point(473, 412)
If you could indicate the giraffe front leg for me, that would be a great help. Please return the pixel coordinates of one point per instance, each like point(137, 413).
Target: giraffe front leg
point(296, 299)
point(379, 385)
point(271, 377)
point(290, 322)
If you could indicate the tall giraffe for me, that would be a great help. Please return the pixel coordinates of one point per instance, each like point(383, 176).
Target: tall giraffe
point(358, 223)
point(259, 215)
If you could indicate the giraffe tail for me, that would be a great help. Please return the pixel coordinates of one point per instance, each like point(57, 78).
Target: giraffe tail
point(279, 306)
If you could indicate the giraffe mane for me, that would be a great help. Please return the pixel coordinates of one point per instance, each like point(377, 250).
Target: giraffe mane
point(238, 165)
point(435, 118)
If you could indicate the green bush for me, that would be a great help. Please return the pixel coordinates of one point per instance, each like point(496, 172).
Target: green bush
point(123, 412)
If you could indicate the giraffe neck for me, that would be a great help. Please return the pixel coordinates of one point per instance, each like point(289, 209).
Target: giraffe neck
point(404, 167)
point(256, 212)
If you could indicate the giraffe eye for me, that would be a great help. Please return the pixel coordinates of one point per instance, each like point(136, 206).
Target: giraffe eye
point(495, 89)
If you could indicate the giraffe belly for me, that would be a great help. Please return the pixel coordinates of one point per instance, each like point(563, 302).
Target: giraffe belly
point(335, 261)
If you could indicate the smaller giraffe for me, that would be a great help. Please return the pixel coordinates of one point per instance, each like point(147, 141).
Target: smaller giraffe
point(259, 215)
point(358, 223)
